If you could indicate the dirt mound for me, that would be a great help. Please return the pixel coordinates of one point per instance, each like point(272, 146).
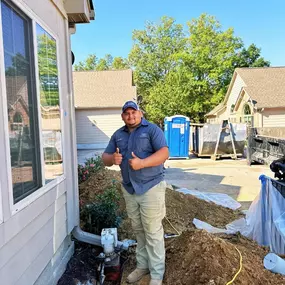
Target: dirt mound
point(197, 257)
point(181, 209)
point(97, 183)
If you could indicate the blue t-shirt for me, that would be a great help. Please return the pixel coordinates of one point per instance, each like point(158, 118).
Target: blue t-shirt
point(145, 140)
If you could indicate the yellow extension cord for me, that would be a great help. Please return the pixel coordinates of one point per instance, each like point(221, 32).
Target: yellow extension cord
point(240, 268)
point(240, 256)
point(173, 226)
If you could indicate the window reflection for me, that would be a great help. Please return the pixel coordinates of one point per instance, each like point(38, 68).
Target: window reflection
point(50, 105)
point(20, 104)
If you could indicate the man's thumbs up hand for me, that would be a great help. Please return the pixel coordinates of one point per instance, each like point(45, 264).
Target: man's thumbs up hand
point(136, 163)
point(117, 157)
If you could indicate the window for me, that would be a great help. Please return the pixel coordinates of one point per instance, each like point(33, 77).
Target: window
point(247, 116)
point(246, 110)
point(50, 104)
point(21, 102)
point(27, 143)
point(17, 122)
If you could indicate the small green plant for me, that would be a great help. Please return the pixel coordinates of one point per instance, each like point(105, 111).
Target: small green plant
point(90, 166)
point(103, 213)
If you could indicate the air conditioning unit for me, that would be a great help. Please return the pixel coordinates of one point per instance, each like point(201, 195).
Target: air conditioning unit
point(79, 11)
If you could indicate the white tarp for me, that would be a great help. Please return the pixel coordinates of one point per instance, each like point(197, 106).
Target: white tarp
point(217, 198)
point(265, 219)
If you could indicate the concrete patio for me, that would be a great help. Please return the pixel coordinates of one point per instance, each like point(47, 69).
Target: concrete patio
point(232, 177)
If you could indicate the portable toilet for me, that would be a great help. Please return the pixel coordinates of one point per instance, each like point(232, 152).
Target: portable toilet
point(177, 132)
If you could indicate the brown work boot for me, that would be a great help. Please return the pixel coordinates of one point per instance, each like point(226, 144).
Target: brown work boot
point(155, 282)
point(137, 275)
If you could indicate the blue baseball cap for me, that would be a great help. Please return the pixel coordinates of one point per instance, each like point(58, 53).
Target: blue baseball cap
point(130, 104)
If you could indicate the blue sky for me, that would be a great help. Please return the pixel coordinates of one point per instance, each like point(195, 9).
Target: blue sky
point(256, 21)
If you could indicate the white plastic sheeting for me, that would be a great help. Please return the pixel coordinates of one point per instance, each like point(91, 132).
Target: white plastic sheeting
point(265, 219)
point(209, 228)
point(217, 198)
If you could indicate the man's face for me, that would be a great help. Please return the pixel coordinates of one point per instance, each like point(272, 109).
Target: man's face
point(132, 117)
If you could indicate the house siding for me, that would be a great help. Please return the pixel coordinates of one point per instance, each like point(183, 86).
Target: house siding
point(273, 118)
point(95, 127)
point(31, 237)
point(237, 86)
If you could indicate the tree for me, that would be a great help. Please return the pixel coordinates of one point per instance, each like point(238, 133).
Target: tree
point(251, 57)
point(210, 57)
point(89, 63)
point(171, 96)
point(153, 53)
point(105, 63)
point(120, 63)
point(189, 74)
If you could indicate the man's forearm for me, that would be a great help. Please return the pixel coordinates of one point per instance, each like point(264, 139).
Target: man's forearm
point(107, 159)
point(157, 158)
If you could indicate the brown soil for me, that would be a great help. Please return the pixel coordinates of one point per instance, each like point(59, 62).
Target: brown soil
point(97, 183)
point(198, 257)
point(195, 257)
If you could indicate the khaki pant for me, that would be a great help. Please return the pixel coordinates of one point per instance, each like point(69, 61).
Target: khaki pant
point(146, 213)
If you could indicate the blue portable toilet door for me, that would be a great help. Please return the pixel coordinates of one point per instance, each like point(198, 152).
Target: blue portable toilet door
point(176, 130)
point(178, 137)
point(175, 140)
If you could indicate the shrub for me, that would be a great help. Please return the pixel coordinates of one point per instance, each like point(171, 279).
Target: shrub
point(102, 213)
point(91, 165)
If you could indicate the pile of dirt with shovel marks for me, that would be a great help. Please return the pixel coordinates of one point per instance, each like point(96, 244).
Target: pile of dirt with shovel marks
point(198, 258)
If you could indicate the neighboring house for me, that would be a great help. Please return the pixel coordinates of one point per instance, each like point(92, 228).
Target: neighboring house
point(255, 96)
point(38, 178)
point(99, 97)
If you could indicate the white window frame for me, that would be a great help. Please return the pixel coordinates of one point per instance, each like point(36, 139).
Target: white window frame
point(15, 208)
point(2, 131)
point(247, 119)
point(1, 205)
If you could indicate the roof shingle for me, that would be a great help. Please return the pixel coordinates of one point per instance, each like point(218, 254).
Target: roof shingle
point(103, 89)
point(265, 85)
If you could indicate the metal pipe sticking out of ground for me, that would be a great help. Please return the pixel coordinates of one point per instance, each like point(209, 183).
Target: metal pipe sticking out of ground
point(112, 248)
point(86, 237)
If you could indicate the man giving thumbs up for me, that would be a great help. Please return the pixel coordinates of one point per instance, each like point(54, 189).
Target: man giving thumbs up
point(140, 149)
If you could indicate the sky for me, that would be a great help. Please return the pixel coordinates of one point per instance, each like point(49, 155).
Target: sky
point(261, 22)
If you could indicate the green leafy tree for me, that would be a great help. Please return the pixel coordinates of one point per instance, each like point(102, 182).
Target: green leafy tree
point(210, 58)
point(171, 96)
point(251, 57)
point(186, 74)
point(153, 53)
point(120, 63)
point(89, 63)
point(105, 63)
